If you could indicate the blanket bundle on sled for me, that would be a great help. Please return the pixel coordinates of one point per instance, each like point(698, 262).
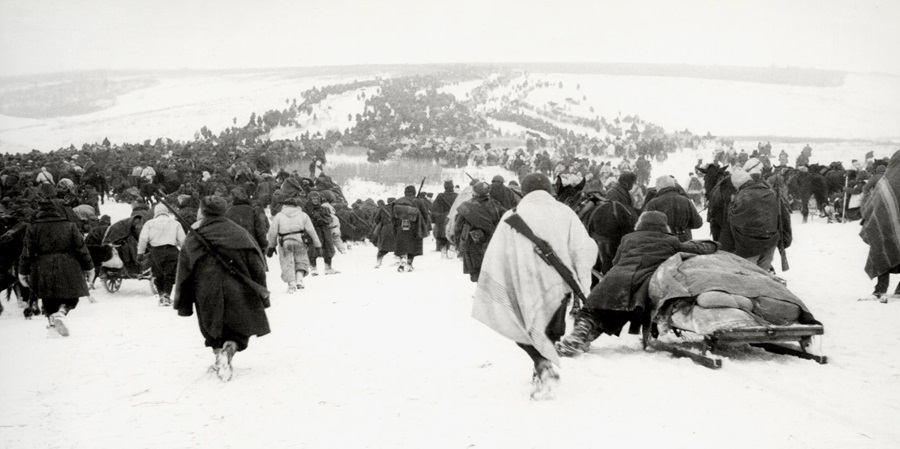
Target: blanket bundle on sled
point(707, 293)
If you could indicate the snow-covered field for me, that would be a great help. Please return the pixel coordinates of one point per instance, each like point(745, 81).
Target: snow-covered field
point(176, 108)
point(376, 358)
point(866, 106)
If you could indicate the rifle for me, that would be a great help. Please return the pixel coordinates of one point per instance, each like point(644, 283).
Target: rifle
point(470, 176)
point(846, 198)
point(781, 250)
point(422, 184)
point(259, 289)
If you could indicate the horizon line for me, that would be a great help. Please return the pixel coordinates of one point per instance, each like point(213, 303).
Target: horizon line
point(508, 64)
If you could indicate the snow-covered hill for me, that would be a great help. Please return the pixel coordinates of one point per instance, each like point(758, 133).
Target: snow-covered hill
point(376, 358)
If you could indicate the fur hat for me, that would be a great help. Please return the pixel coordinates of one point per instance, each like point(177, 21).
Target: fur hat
point(105, 219)
point(47, 191)
point(739, 178)
point(653, 221)
point(238, 193)
point(448, 186)
point(498, 178)
point(536, 181)
point(314, 196)
point(664, 181)
point(160, 209)
point(409, 191)
point(139, 205)
point(327, 196)
point(627, 179)
point(481, 189)
point(880, 169)
point(753, 166)
point(213, 206)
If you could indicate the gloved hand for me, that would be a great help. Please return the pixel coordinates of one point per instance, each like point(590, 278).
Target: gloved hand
point(25, 280)
point(89, 275)
point(271, 251)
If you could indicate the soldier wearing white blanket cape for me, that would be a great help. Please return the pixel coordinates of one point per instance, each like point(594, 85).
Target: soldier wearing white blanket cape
point(524, 298)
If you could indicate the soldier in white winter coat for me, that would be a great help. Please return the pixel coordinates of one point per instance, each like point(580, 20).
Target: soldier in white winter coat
point(161, 238)
point(289, 236)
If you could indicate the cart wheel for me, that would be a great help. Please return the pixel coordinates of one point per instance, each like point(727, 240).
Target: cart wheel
point(112, 284)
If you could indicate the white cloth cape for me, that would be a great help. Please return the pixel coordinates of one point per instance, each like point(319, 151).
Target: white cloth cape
point(517, 292)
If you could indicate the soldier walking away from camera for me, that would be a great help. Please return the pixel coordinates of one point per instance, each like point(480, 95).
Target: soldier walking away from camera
point(290, 236)
point(503, 194)
point(620, 191)
point(163, 236)
point(56, 264)
point(440, 210)
point(680, 211)
point(759, 221)
point(695, 190)
point(476, 221)
point(222, 273)
point(522, 296)
point(881, 231)
point(383, 234)
point(335, 228)
point(410, 228)
point(321, 220)
point(248, 216)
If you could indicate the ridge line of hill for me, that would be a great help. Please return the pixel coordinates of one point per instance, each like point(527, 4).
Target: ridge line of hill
point(801, 139)
point(796, 76)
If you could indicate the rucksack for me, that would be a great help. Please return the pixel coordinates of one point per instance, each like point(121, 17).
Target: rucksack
point(406, 215)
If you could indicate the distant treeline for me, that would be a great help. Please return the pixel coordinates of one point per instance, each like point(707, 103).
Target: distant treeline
point(793, 76)
point(801, 139)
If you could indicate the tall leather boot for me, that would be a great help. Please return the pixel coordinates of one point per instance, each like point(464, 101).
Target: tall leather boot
point(579, 341)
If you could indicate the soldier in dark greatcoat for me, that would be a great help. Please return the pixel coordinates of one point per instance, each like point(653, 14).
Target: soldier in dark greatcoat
point(439, 211)
point(55, 263)
point(230, 300)
point(476, 221)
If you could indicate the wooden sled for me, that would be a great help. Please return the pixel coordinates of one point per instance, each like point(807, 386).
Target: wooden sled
point(786, 340)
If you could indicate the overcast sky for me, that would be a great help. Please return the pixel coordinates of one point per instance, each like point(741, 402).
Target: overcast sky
point(39, 36)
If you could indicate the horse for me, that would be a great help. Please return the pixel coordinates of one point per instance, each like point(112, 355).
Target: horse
point(567, 193)
point(804, 185)
point(605, 221)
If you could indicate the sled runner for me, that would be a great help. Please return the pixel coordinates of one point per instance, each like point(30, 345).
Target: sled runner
point(785, 340)
point(712, 301)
